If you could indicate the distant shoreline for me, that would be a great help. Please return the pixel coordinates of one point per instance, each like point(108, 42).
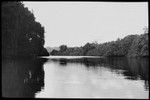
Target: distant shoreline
point(129, 46)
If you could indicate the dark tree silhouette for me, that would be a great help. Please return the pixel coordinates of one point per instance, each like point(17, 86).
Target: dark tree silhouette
point(130, 46)
point(21, 34)
point(63, 48)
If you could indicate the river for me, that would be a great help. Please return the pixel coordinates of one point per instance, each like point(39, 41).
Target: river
point(76, 77)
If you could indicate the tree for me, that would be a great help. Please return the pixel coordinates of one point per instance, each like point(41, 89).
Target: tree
point(63, 48)
point(21, 34)
point(139, 46)
point(54, 52)
point(87, 47)
point(131, 45)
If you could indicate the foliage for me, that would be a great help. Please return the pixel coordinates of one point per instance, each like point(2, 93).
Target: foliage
point(140, 46)
point(131, 46)
point(21, 34)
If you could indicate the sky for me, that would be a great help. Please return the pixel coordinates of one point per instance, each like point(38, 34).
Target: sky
point(76, 23)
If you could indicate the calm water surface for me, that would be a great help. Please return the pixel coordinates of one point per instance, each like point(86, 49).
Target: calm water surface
point(67, 77)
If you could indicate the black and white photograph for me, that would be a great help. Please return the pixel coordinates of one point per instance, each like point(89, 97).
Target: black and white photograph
point(75, 49)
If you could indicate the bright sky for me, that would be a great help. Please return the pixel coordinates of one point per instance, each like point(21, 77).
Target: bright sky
point(76, 23)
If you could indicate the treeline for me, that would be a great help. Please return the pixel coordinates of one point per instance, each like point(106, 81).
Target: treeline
point(131, 46)
point(22, 36)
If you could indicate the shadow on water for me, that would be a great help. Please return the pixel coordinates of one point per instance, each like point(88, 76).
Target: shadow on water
point(25, 77)
point(63, 62)
point(22, 77)
point(132, 68)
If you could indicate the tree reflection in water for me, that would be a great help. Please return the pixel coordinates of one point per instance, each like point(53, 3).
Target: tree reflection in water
point(22, 77)
point(132, 68)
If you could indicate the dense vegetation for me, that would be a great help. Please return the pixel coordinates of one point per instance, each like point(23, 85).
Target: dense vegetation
point(21, 34)
point(131, 46)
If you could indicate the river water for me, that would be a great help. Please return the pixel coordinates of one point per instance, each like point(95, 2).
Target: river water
point(76, 77)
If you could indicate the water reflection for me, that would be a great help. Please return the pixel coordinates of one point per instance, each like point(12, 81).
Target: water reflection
point(131, 68)
point(22, 77)
point(77, 77)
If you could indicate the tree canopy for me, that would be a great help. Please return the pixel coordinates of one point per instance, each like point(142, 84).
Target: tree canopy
point(21, 34)
point(131, 46)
